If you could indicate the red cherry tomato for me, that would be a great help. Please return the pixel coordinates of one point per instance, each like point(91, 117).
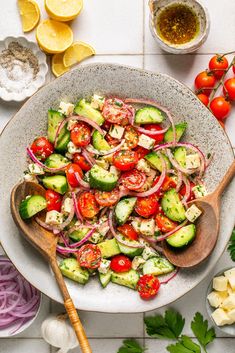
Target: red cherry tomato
point(203, 98)
point(128, 231)
point(81, 134)
point(42, 148)
point(141, 151)
point(107, 198)
point(218, 64)
point(120, 263)
point(183, 191)
point(153, 127)
point(133, 179)
point(220, 107)
point(111, 140)
point(89, 256)
point(229, 89)
point(116, 111)
point(81, 161)
point(131, 136)
point(125, 159)
point(164, 224)
point(148, 286)
point(205, 82)
point(54, 200)
point(167, 184)
point(70, 171)
point(87, 204)
point(147, 206)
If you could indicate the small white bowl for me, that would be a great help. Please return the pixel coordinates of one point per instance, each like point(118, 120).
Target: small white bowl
point(191, 46)
point(40, 77)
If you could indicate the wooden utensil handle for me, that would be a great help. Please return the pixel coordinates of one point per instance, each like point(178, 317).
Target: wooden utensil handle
point(226, 179)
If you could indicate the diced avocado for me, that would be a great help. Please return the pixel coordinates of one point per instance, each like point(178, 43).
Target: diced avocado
point(180, 156)
point(57, 183)
point(172, 206)
point(179, 129)
point(155, 161)
point(79, 234)
point(70, 268)
point(54, 119)
point(99, 142)
point(85, 109)
point(124, 209)
point(105, 278)
point(157, 266)
point(56, 160)
point(131, 252)
point(109, 248)
point(31, 206)
point(102, 179)
point(62, 142)
point(149, 115)
point(182, 237)
point(127, 279)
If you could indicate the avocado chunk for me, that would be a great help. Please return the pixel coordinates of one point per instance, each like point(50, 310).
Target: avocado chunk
point(172, 206)
point(157, 266)
point(127, 279)
point(102, 179)
point(179, 130)
point(85, 109)
point(124, 208)
point(182, 237)
point(57, 183)
point(109, 248)
point(149, 115)
point(70, 268)
point(56, 160)
point(155, 161)
point(99, 142)
point(105, 278)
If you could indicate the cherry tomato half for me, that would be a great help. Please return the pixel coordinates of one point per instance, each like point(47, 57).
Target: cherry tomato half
point(220, 107)
point(120, 263)
point(81, 161)
point(111, 140)
point(125, 159)
point(147, 206)
point(70, 171)
point(133, 179)
point(183, 191)
point(148, 286)
point(107, 198)
point(116, 111)
point(128, 231)
point(42, 148)
point(164, 224)
point(205, 82)
point(131, 136)
point(81, 134)
point(89, 256)
point(87, 204)
point(203, 98)
point(153, 127)
point(54, 201)
point(218, 64)
point(167, 184)
point(229, 89)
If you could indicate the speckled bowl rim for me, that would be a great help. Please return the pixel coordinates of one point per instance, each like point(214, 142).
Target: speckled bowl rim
point(208, 269)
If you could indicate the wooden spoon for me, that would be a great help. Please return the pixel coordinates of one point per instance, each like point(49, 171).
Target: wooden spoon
point(45, 242)
point(207, 225)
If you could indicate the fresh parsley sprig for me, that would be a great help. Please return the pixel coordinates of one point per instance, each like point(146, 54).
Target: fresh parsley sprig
point(131, 346)
point(201, 331)
point(231, 247)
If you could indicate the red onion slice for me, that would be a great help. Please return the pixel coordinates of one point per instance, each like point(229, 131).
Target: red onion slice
point(88, 157)
point(40, 164)
point(81, 181)
point(173, 275)
point(179, 181)
point(149, 132)
point(167, 235)
point(68, 219)
point(83, 240)
point(187, 191)
point(105, 153)
point(76, 208)
point(177, 165)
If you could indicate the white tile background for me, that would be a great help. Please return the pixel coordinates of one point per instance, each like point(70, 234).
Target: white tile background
point(118, 30)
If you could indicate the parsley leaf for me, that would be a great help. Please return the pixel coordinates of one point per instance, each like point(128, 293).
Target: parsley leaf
point(170, 326)
point(200, 330)
point(185, 345)
point(131, 346)
point(231, 247)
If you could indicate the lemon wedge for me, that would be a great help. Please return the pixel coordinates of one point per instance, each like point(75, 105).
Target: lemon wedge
point(57, 65)
point(63, 10)
point(76, 53)
point(29, 13)
point(53, 36)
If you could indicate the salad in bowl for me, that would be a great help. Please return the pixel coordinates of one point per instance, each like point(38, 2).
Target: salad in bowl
point(118, 181)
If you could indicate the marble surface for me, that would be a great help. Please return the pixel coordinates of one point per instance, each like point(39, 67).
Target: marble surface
point(118, 30)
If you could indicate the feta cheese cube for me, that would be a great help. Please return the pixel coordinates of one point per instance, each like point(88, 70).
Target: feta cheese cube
point(116, 131)
point(146, 141)
point(230, 275)
point(231, 315)
point(66, 108)
point(97, 102)
point(35, 169)
point(229, 302)
point(96, 237)
point(104, 266)
point(192, 161)
point(147, 227)
point(214, 299)
point(68, 155)
point(72, 148)
point(137, 262)
point(220, 317)
point(143, 166)
point(199, 191)
point(67, 205)
point(148, 253)
point(71, 124)
point(193, 213)
point(136, 224)
point(30, 177)
point(220, 283)
point(54, 218)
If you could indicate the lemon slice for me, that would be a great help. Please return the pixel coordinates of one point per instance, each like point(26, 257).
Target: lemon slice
point(29, 13)
point(63, 10)
point(76, 53)
point(57, 65)
point(53, 36)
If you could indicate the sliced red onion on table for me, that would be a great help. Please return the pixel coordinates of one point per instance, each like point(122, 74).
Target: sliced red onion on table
point(167, 235)
point(40, 164)
point(105, 153)
point(81, 181)
point(172, 275)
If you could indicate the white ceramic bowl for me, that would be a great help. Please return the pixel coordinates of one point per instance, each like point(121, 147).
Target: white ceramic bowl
point(40, 77)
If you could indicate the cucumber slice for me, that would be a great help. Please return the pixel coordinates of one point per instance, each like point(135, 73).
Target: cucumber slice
point(127, 279)
point(109, 248)
point(172, 206)
point(99, 142)
point(155, 161)
point(157, 266)
point(124, 208)
point(63, 141)
point(71, 269)
point(131, 252)
point(32, 205)
point(54, 119)
point(85, 109)
point(179, 129)
point(79, 234)
point(102, 179)
point(149, 115)
point(182, 237)
point(56, 160)
point(57, 183)
point(180, 156)
point(105, 278)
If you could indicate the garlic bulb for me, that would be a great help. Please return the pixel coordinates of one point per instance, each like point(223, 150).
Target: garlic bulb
point(57, 331)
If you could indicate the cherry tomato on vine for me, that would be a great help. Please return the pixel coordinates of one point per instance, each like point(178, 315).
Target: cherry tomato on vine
point(229, 89)
point(54, 200)
point(203, 98)
point(128, 231)
point(81, 161)
point(205, 82)
point(153, 127)
point(89, 256)
point(218, 64)
point(42, 148)
point(148, 286)
point(120, 263)
point(220, 107)
point(70, 171)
